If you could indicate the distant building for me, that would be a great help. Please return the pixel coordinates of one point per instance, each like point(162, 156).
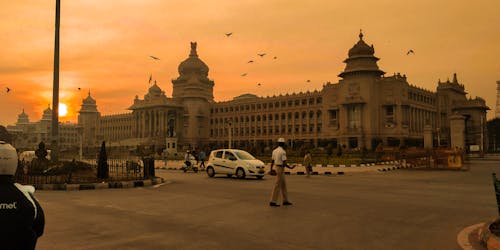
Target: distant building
point(363, 109)
point(27, 135)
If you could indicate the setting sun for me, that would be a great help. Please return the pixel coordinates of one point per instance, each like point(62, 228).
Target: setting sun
point(63, 109)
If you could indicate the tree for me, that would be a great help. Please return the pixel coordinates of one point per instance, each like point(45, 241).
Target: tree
point(5, 135)
point(102, 163)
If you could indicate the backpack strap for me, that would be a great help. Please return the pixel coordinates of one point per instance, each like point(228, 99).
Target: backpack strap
point(28, 191)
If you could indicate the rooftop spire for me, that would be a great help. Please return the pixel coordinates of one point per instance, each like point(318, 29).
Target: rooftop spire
point(193, 50)
point(455, 78)
point(360, 34)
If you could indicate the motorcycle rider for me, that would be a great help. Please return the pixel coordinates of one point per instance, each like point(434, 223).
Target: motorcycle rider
point(22, 220)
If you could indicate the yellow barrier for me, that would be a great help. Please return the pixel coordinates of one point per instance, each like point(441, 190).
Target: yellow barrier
point(454, 161)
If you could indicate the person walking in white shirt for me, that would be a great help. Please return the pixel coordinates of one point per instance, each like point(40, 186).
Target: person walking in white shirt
point(279, 159)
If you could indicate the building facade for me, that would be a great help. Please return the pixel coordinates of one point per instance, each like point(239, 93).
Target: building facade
point(365, 107)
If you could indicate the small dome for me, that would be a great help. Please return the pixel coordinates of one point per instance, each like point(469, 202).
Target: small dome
point(89, 100)
point(48, 111)
point(193, 63)
point(361, 48)
point(155, 90)
point(47, 114)
point(23, 118)
point(22, 115)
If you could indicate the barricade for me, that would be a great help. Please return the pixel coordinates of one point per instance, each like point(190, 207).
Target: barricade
point(416, 157)
point(448, 158)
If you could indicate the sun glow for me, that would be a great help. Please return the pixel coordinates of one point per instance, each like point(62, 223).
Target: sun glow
point(63, 110)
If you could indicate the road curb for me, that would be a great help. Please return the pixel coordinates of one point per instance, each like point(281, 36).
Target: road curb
point(101, 185)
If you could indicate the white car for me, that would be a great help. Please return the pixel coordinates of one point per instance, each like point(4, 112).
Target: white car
point(234, 162)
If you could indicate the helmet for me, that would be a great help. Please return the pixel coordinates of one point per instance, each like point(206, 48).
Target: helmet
point(8, 159)
point(281, 139)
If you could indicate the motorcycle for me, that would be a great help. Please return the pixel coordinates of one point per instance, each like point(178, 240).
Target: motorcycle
point(190, 165)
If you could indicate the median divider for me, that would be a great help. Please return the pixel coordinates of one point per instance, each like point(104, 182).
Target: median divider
point(101, 185)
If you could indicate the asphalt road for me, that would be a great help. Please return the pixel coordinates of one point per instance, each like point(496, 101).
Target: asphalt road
point(403, 209)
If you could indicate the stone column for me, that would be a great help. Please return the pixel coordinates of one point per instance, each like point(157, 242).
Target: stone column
point(457, 129)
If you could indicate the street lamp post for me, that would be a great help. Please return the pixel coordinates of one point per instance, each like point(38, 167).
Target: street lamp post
point(80, 135)
point(55, 88)
point(230, 134)
point(438, 138)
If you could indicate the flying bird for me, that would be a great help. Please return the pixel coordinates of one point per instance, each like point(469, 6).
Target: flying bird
point(251, 61)
point(229, 34)
point(262, 55)
point(154, 57)
point(275, 57)
point(79, 88)
point(308, 81)
point(410, 52)
point(258, 84)
point(244, 74)
point(7, 89)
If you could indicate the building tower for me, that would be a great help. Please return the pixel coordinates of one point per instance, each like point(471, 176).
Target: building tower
point(23, 119)
point(88, 119)
point(361, 83)
point(361, 61)
point(194, 91)
point(497, 107)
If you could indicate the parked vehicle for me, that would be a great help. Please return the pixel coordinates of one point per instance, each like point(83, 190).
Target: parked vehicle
point(234, 162)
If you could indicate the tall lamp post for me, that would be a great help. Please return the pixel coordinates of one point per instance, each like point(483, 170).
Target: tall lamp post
point(438, 138)
point(230, 134)
point(55, 89)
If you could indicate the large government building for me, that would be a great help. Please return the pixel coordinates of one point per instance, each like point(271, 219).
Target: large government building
point(364, 108)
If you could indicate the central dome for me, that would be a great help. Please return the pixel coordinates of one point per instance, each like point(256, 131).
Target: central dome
point(193, 64)
point(361, 48)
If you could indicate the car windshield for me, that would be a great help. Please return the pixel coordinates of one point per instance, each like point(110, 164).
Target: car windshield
point(244, 155)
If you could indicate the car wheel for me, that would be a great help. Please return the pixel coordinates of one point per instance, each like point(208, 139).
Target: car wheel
point(240, 173)
point(210, 172)
point(184, 169)
point(259, 177)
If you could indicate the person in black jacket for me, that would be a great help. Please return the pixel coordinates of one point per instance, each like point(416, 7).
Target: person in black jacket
point(22, 220)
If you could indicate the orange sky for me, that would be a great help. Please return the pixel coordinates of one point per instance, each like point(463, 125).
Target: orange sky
point(105, 46)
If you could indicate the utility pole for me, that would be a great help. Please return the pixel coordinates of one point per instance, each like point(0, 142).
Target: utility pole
point(55, 89)
point(230, 133)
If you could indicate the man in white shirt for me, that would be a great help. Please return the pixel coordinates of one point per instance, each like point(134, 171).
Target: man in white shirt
point(187, 159)
point(279, 159)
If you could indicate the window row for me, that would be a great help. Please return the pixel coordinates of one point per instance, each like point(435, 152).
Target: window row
point(421, 98)
point(270, 117)
point(270, 105)
point(270, 130)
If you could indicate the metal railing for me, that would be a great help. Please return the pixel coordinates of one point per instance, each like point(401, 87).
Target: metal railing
point(73, 172)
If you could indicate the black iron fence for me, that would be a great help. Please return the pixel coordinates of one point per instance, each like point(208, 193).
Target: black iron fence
point(80, 172)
